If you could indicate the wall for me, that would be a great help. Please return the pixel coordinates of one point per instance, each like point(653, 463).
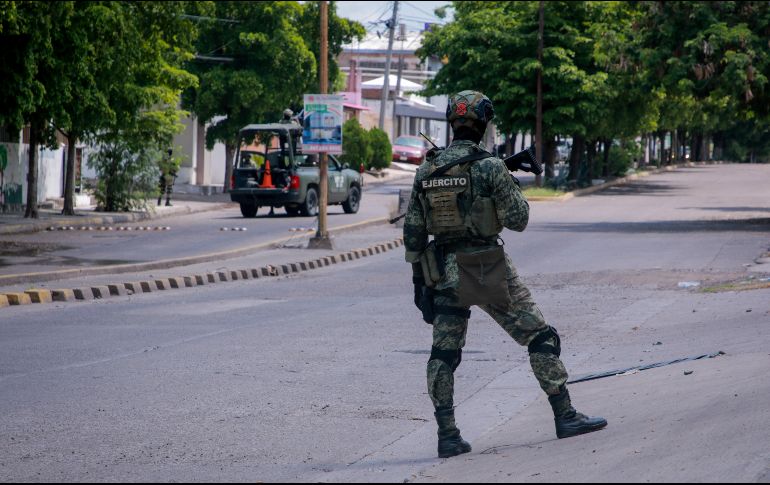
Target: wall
point(12, 178)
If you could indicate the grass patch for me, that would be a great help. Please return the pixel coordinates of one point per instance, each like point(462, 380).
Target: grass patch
point(736, 286)
point(542, 192)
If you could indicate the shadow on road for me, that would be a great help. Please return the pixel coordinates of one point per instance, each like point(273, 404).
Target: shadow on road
point(731, 209)
point(744, 225)
point(640, 188)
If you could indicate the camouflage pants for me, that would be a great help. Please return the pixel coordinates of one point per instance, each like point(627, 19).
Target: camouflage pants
point(522, 320)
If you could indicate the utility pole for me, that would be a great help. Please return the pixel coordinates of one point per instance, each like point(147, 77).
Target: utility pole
point(539, 121)
point(386, 79)
point(321, 239)
point(402, 38)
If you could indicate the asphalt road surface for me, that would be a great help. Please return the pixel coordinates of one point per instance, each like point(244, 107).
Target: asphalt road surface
point(189, 235)
point(320, 376)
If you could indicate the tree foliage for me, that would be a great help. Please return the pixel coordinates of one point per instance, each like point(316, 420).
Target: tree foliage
point(616, 71)
point(68, 70)
point(274, 48)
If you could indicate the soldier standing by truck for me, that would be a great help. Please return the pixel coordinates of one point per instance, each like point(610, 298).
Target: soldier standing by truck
point(168, 172)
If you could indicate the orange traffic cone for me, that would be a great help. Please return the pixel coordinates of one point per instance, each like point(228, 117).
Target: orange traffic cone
point(267, 178)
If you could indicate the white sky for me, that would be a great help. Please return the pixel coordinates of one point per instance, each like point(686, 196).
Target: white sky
point(412, 13)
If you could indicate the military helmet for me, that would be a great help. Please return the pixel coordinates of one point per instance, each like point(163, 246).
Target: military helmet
point(287, 113)
point(467, 106)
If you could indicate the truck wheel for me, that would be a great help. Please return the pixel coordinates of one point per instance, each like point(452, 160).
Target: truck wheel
point(292, 210)
point(351, 205)
point(249, 210)
point(310, 206)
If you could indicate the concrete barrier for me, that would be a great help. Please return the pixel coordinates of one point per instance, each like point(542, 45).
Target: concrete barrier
point(100, 292)
point(163, 284)
point(148, 286)
point(39, 296)
point(18, 298)
point(45, 296)
point(62, 295)
point(117, 290)
point(133, 287)
point(176, 282)
point(83, 294)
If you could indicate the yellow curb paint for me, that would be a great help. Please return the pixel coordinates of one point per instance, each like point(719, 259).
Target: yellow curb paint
point(39, 296)
point(18, 298)
point(170, 263)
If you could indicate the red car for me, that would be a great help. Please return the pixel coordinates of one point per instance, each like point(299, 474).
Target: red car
point(410, 149)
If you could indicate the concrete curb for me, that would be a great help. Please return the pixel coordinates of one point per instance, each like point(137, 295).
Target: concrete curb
point(34, 278)
point(78, 221)
point(618, 181)
point(192, 281)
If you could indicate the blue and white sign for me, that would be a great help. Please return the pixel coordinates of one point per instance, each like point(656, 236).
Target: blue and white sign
point(322, 125)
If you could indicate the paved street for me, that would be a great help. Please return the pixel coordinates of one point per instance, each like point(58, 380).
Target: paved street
point(320, 376)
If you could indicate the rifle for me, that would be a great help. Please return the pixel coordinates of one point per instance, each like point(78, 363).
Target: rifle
point(525, 161)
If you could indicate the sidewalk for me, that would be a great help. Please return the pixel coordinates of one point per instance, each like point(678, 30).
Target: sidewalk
point(15, 223)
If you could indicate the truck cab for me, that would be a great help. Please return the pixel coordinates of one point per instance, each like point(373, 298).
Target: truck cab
point(271, 171)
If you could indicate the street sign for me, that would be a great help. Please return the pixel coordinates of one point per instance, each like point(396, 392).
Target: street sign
point(322, 126)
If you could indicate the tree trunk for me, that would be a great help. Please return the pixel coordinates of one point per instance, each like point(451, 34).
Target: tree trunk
point(229, 156)
point(549, 148)
point(662, 153)
point(606, 167)
point(675, 146)
point(509, 142)
point(31, 211)
point(523, 145)
point(578, 144)
point(591, 156)
point(704, 147)
point(69, 181)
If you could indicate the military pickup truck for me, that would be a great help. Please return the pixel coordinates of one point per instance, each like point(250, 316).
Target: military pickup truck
point(293, 181)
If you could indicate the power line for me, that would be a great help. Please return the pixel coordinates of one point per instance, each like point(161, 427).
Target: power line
point(419, 9)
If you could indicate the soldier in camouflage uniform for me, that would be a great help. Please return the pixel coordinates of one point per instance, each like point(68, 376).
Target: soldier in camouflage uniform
point(168, 172)
point(465, 206)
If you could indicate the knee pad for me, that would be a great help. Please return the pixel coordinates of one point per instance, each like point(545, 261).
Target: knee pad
point(452, 358)
point(541, 345)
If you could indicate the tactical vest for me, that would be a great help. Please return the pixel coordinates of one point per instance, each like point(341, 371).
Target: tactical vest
point(452, 210)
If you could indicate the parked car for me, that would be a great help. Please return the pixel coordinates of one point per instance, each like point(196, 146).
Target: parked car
point(294, 177)
point(410, 149)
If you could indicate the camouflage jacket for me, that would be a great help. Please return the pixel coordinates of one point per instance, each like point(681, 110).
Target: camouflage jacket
point(489, 178)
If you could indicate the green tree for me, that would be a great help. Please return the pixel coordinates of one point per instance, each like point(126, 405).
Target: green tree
point(273, 48)
point(356, 146)
point(145, 84)
point(381, 149)
point(33, 90)
point(113, 82)
point(492, 47)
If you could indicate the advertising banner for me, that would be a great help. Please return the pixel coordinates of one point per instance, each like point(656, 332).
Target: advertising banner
point(322, 124)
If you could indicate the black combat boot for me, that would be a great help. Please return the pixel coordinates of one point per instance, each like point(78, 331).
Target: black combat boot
point(570, 422)
point(450, 443)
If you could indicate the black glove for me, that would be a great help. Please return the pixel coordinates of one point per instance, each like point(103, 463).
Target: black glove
point(516, 181)
point(419, 283)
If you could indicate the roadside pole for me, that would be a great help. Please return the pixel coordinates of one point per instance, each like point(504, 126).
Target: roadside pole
point(386, 77)
point(321, 239)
